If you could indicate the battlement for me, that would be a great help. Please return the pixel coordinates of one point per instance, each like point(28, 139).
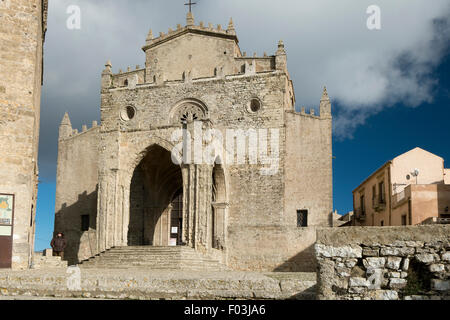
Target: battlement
point(129, 78)
point(324, 108)
point(66, 131)
point(190, 27)
point(311, 112)
point(181, 56)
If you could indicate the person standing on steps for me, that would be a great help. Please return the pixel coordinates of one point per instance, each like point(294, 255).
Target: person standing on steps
point(58, 245)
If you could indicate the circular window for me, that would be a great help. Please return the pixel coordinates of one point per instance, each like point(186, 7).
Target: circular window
point(255, 105)
point(128, 113)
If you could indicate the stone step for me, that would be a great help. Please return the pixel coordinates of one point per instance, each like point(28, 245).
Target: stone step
point(183, 261)
point(169, 258)
point(162, 262)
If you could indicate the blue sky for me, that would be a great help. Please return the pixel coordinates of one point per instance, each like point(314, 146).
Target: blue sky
point(390, 133)
point(389, 88)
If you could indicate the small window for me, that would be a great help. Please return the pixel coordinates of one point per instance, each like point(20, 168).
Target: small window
point(255, 105)
point(128, 113)
point(374, 194)
point(302, 218)
point(381, 192)
point(85, 222)
point(382, 223)
point(362, 200)
point(125, 83)
point(404, 220)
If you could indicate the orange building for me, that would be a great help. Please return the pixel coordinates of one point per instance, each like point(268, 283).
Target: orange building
point(411, 189)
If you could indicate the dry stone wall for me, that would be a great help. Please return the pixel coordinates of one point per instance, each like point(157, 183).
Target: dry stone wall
point(384, 263)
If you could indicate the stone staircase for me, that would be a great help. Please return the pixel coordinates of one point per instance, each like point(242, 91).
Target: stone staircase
point(42, 261)
point(153, 258)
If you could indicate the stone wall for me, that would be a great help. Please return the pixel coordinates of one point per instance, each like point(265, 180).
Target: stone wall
point(22, 30)
point(390, 263)
point(271, 248)
point(76, 192)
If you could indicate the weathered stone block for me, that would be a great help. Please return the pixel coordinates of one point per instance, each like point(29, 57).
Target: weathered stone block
point(358, 290)
point(393, 263)
point(374, 262)
point(343, 272)
point(344, 251)
point(416, 297)
point(350, 263)
point(370, 252)
point(425, 257)
point(384, 295)
point(446, 256)
point(440, 285)
point(397, 283)
point(358, 282)
point(375, 278)
point(437, 268)
point(394, 275)
point(415, 244)
point(393, 251)
point(405, 264)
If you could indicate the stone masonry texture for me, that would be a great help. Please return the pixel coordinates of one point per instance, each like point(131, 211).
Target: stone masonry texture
point(22, 31)
point(384, 263)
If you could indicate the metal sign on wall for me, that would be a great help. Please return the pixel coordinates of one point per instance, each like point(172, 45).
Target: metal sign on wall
point(6, 229)
point(6, 214)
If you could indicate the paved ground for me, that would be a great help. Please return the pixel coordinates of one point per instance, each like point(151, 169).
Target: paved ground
point(154, 284)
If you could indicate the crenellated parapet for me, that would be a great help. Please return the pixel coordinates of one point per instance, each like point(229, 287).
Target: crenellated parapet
point(209, 29)
point(66, 131)
point(324, 108)
point(221, 58)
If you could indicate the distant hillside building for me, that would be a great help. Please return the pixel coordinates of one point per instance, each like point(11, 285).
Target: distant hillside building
point(22, 33)
point(411, 189)
point(117, 183)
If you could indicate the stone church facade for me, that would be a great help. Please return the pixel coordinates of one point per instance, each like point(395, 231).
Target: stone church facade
point(22, 32)
point(120, 184)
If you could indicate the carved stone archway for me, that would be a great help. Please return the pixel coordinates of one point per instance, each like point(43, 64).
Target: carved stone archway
point(188, 110)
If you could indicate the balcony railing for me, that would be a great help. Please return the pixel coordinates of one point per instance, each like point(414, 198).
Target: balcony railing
point(436, 220)
point(379, 202)
point(360, 214)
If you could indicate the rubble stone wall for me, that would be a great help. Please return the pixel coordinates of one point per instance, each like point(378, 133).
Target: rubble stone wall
point(384, 263)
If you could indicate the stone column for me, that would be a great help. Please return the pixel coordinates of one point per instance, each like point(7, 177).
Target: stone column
point(220, 212)
point(186, 233)
point(101, 212)
point(125, 192)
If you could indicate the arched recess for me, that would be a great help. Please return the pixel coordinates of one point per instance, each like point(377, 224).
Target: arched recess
point(219, 206)
point(155, 183)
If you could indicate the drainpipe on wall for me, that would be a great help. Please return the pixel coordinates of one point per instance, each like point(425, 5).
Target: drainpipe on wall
point(409, 211)
point(390, 195)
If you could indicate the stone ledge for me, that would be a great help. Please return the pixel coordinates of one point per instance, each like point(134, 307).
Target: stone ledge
point(382, 235)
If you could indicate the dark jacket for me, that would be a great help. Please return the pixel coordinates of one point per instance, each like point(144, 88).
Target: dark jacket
point(58, 244)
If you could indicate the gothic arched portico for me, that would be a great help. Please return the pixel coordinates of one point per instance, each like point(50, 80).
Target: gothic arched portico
point(155, 184)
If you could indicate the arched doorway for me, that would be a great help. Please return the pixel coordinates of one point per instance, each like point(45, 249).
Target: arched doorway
point(218, 207)
point(156, 187)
